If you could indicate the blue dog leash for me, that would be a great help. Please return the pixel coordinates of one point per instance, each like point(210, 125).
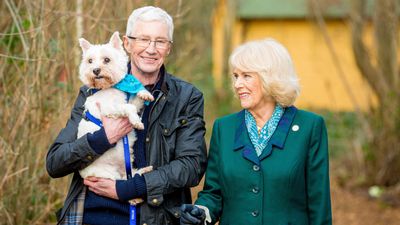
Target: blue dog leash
point(93, 119)
point(128, 166)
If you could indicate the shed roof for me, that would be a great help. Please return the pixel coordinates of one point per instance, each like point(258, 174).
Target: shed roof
point(291, 9)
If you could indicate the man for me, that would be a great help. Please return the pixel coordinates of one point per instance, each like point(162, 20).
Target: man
point(172, 141)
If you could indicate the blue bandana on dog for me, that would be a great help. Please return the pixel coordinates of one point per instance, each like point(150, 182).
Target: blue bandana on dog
point(130, 84)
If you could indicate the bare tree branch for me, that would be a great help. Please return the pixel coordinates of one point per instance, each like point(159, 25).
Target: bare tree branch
point(316, 9)
point(17, 22)
point(25, 59)
point(385, 39)
point(361, 53)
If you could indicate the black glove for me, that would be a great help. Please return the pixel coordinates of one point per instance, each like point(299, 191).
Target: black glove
point(192, 215)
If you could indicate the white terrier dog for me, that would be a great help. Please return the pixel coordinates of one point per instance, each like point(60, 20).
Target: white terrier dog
point(102, 67)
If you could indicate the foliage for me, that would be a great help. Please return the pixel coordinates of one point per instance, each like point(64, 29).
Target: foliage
point(39, 57)
point(342, 128)
point(379, 66)
point(378, 156)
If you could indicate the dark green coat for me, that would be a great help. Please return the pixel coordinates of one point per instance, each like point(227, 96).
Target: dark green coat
point(287, 184)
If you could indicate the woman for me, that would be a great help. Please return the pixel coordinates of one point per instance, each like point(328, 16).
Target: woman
point(268, 164)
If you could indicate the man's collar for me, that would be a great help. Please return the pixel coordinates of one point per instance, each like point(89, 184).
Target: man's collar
point(159, 85)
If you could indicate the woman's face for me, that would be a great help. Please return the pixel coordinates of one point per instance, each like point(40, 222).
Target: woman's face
point(249, 89)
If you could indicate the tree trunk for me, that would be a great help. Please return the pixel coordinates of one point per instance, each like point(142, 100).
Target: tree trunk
point(381, 71)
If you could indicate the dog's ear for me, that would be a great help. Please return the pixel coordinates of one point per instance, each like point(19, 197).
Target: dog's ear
point(116, 41)
point(85, 45)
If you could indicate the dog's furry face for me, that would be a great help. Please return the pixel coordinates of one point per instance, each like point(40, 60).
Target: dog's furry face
point(103, 65)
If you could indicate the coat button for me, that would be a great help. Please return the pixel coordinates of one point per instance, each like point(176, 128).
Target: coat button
point(184, 122)
point(154, 201)
point(89, 157)
point(165, 131)
point(147, 139)
point(254, 213)
point(256, 168)
point(256, 190)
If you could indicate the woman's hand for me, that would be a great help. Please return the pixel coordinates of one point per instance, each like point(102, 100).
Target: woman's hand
point(192, 215)
point(102, 186)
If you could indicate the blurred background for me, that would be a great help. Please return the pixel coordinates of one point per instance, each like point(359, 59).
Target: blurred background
point(345, 52)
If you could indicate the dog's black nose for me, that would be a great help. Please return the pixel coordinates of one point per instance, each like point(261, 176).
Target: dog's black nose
point(96, 71)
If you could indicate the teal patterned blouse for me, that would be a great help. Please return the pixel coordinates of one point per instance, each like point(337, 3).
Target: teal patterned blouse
point(260, 140)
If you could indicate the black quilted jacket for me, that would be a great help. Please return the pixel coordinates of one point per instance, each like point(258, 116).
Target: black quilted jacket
point(175, 147)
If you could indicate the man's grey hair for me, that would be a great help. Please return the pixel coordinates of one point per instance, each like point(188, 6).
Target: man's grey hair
point(149, 13)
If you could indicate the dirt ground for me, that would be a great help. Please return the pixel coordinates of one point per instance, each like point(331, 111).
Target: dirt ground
point(349, 208)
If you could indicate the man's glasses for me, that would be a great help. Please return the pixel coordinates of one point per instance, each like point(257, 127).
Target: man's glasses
point(145, 42)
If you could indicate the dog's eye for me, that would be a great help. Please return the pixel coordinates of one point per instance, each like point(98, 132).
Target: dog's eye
point(107, 60)
point(90, 60)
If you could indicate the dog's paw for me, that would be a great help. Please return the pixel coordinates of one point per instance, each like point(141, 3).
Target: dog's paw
point(113, 116)
point(136, 201)
point(137, 125)
point(134, 119)
point(144, 170)
point(145, 95)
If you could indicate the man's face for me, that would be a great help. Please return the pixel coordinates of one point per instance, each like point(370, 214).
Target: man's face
point(147, 58)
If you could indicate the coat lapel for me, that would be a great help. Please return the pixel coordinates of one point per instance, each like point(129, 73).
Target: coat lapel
point(243, 142)
point(163, 94)
point(157, 108)
point(279, 137)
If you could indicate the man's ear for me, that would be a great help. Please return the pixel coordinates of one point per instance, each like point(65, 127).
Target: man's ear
point(116, 41)
point(85, 45)
point(127, 44)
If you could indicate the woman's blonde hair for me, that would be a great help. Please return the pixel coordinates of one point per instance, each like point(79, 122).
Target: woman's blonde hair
point(272, 62)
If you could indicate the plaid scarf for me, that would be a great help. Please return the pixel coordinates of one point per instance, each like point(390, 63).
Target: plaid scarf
point(74, 215)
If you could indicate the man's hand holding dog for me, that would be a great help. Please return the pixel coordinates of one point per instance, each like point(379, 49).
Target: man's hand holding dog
point(102, 186)
point(116, 128)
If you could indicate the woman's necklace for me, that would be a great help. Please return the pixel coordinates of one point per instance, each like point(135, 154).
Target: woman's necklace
point(259, 130)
